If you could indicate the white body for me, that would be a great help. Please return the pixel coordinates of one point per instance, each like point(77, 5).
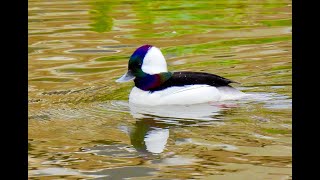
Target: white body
point(191, 94)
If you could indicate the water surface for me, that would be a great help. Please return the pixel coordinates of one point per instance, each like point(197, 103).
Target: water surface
point(82, 127)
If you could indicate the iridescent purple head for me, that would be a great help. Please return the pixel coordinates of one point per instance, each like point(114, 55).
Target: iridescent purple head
point(147, 59)
point(136, 59)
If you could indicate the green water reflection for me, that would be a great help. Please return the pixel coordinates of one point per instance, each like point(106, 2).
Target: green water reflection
point(100, 16)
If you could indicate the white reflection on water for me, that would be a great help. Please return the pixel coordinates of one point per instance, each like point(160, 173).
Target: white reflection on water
point(156, 140)
point(197, 111)
point(151, 130)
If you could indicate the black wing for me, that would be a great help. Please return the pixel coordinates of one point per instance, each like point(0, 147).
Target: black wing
point(191, 78)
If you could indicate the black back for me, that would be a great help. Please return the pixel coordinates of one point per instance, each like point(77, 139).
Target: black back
point(192, 78)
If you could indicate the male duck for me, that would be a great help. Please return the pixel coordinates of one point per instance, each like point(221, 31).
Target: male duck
point(154, 85)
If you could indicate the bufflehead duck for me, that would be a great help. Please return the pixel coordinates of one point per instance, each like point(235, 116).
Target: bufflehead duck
point(154, 85)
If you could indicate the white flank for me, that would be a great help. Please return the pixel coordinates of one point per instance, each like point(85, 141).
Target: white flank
point(191, 94)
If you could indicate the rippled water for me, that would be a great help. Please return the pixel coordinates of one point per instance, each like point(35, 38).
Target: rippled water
point(82, 127)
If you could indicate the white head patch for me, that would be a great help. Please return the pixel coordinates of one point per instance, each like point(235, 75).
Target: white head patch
point(154, 62)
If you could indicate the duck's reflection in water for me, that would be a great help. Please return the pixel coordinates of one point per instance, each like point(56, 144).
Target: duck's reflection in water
point(151, 130)
point(148, 136)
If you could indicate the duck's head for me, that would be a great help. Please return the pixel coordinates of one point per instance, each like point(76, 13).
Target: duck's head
point(146, 59)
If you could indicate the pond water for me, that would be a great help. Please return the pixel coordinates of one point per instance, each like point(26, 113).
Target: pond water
point(82, 127)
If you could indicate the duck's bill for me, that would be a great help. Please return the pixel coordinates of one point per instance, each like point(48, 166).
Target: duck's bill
point(126, 77)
